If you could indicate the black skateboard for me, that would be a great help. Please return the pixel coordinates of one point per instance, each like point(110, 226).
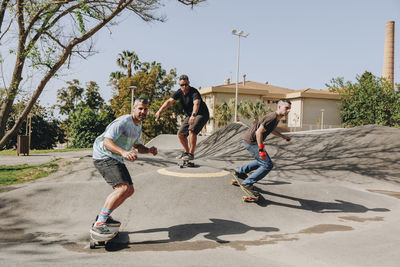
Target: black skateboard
point(186, 163)
point(249, 197)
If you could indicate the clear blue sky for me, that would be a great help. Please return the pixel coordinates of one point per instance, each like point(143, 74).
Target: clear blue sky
point(292, 43)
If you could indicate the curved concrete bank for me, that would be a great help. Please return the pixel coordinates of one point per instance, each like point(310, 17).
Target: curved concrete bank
point(333, 199)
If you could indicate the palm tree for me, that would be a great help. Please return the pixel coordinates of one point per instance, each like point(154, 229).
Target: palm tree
point(116, 75)
point(126, 59)
point(253, 110)
point(223, 113)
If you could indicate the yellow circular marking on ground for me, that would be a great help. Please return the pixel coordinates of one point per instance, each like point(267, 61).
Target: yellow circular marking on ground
point(196, 175)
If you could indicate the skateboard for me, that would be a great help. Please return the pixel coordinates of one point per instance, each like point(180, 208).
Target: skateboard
point(97, 240)
point(186, 163)
point(249, 197)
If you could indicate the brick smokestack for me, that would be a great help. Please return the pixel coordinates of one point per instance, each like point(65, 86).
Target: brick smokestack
point(388, 56)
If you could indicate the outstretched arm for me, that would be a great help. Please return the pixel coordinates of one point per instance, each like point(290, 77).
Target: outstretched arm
point(144, 150)
point(166, 105)
point(287, 138)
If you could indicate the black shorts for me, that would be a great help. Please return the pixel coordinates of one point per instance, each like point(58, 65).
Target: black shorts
point(199, 122)
point(113, 171)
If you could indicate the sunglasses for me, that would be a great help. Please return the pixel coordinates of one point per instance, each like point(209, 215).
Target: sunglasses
point(183, 84)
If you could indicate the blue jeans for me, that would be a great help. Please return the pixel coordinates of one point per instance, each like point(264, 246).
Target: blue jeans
point(261, 167)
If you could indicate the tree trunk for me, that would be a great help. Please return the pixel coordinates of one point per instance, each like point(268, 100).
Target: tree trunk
point(6, 106)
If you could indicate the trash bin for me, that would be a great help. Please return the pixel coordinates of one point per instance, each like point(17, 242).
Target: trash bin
point(23, 145)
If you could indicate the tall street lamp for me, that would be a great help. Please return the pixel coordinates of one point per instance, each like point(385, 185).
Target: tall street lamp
point(238, 34)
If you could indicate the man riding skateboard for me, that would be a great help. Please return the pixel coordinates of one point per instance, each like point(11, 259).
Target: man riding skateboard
point(197, 115)
point(121, 140)
point(253, 142)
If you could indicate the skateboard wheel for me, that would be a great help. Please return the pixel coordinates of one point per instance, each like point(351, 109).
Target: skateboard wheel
point(250, 199)
point(234, 182)
point(92, 245)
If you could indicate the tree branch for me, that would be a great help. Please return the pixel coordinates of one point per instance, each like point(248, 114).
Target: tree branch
point(3, 8)
point(6, 30)
point(67, 52)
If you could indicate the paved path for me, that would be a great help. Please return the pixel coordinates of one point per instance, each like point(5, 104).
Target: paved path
point(330, 201)
point(34, 159)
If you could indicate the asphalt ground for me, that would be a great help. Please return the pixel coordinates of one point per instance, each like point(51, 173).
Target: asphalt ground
point(333, 199)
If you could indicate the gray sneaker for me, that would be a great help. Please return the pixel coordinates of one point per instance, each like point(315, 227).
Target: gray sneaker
point(102, 230)
point(239, 175)
point(188, 156)
point(251, 189)
point(181, 155)
point(110, 221)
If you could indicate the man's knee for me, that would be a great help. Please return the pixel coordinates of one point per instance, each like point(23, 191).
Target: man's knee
point(269, 165)
point(130, 190)
point(181, 136)
point(124, 189)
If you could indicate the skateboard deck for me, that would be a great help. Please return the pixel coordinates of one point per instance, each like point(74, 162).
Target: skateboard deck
point(97, 240)
point(249, 197)
point(186, 163)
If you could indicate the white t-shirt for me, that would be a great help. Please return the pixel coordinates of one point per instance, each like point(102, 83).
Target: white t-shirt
point(124, 133)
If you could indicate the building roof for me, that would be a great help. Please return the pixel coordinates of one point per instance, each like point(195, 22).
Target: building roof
point(313, 93)
point(268, 91)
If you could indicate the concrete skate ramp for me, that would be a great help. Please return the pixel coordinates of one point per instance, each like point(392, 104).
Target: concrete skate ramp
point(169, 141)
point(331, 193)
point(368, 150)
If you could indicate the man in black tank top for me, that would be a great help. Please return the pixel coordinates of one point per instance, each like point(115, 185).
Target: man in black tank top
point(196, 111)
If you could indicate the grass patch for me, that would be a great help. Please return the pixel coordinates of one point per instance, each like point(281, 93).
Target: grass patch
point(17, 174)
point(10, 152)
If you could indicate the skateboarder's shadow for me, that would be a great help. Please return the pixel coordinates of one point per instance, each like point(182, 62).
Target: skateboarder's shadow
point(212, 231)
point(320, 206)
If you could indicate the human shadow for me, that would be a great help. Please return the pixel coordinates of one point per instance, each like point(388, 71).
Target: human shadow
point(213, 231)
point(338, 206)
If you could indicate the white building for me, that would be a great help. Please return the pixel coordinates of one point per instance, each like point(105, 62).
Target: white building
point(311, 109)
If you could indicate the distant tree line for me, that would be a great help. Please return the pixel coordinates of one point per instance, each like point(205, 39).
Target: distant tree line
point(369, 100)
point(86, 115)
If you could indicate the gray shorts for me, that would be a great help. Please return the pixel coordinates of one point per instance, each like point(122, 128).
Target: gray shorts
point(113, 171)
point(199, 122)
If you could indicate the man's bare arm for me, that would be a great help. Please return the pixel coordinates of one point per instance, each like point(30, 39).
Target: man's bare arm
point(196, 106)
point(259, 135)
point(276, 133)
point(114, 148)
point(144, 150)
point(166, 105)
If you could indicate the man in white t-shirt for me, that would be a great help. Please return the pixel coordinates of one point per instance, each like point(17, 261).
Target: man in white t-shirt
point(121, 140)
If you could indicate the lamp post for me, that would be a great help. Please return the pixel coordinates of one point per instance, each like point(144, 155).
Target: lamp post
point(133, 96)
point(238, 34)
point(322, 118)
